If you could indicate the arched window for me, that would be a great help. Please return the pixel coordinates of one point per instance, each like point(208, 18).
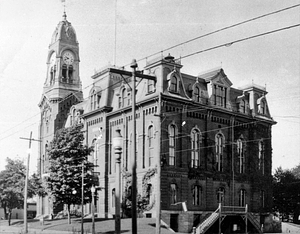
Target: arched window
point(124, 97)
point(197, 94)
point(174, 84)
point(113, 197)
point(261, 156)
point(129, 151)
point(242, 106)
point(129, 99)
point(219, 151)
point(221, 195)
point(262, 198)
point(64, 73)
point(242, 197)
point(95, 96)
point(172, 145)
point(150, 146)
point(263, 107)
point(195, 148)
point(129, 193)
point(197, 195)
point(70, 73)
point(241, 155)
point(148, 193)
point(173, 193)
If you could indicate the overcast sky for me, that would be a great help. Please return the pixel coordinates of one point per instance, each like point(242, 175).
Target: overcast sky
point(145, 27)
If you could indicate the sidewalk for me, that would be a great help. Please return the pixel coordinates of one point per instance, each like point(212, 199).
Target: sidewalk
point(145, 226)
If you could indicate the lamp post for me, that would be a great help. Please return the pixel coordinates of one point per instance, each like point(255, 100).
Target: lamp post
point(117, 144)
point(82, 195)
point(134, 66)
point(93, 209)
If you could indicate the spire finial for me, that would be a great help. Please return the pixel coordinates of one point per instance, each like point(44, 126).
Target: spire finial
point(64, 15)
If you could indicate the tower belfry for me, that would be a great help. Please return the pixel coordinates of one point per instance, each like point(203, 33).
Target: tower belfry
point(62, 89)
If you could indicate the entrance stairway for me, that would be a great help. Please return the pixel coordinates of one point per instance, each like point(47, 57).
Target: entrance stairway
point(224, 211)
point(208, 222)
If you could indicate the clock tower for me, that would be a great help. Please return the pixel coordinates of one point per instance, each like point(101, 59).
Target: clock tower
point(62, 89)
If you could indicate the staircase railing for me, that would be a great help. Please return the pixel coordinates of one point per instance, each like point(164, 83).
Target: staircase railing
point(207, 223)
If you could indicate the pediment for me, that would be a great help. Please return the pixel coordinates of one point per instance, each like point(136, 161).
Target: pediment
point(221, 79)
point(216, 76)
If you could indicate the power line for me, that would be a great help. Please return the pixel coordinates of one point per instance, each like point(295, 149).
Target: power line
point(219, 30)
point(198, 52)
point(240, 40)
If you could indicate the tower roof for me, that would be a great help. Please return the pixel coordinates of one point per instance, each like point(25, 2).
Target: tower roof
point(64, 31)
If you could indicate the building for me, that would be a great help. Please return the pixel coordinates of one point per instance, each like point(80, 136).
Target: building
point(212, 141)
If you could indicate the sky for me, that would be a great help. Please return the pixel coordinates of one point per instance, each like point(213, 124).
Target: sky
point(115, 32)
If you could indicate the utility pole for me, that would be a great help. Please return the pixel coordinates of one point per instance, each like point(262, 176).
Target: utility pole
point(158, 182)
point(82, 195)
point(30, 139)
point(134, 74)
point(133, 159)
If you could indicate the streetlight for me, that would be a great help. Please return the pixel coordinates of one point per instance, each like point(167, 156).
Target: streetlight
point(93, 189)
point(117, 144)
point(134, 66)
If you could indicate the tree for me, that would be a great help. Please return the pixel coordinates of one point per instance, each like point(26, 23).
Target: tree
point(67, 156)
point(12, 183)
point(286, 192)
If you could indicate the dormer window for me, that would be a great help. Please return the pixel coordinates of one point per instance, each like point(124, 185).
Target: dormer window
point(262, 105)
point(151, 86)
point(242, 106)
point(219, 95)
point(95, 99)
point(174, 84)
point(197, 94)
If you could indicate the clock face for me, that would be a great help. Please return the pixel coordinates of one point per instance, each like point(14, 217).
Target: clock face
point(68, 57)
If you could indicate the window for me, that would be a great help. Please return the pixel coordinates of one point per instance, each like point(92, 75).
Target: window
point(197, 195)
point(173, 197)
point(261, 156)
point(174, 85)
point(150, 146)
point(172, 135)
point(124, 97)
point(197, 94)
point(94, 99)
point(221, 195)
point(113, 197)
point(262, 198)
point(241, 161)
point(195, 149)
point(52, 74)
point(151, 87)
point(70, 73)
point(263, 107)
point(129, 99)
point(219, 151)
point(220, 96)
point(129, 193)
point(242, 197)
point(64, 73)
point(242, 106)
point(148, 193)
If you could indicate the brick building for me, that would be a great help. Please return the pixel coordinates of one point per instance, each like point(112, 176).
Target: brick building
point(213, 141)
